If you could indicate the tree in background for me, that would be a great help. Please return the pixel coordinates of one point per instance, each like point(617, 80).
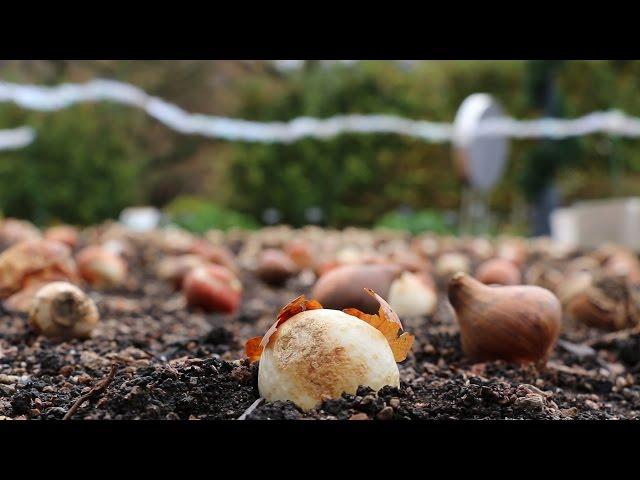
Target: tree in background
point(84, 167)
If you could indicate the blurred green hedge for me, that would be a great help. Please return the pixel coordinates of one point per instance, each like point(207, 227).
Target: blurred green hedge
point(199, 215)
point(416, 222)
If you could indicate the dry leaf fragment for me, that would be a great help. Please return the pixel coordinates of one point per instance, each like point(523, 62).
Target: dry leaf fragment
point(388, 323)
point(253, 349)
point(256, 345)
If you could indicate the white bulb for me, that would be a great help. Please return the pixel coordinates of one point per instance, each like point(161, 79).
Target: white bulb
point(410, 297)
point(319, 353)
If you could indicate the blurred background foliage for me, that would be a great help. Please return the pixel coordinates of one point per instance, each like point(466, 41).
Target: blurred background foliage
point(91, 160)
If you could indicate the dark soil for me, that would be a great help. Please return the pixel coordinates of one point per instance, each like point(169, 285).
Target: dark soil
point(176, 363)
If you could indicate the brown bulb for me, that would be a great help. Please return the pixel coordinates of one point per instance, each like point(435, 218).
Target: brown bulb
point(62, 310)
point(343, 287)
point(300, 252)
point(213, 288)
point(513, 323)
point(214, 253)
point(28, 265)
point(100, 267)
point(498, 271)
point(173, 269)
point(451, 263)
point(275, 267)
point(13, 231)
point(515, 250)
point(596, 310)
point(66, 234)
point(606, 303)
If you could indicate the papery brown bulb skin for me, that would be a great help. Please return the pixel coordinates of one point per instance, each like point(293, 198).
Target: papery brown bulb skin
point(275, 267)
point(594, 310)
point(343, 287)
point(517, 324)
point(213, 288)
point(33, 261)
point(62, 310)
point(101, 267)
point(498, 271)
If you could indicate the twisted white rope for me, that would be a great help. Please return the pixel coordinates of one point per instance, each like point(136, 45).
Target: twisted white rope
point(41, 98)
point(16, 138)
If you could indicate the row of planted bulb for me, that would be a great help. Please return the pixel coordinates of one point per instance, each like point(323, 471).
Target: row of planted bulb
point(509, 295)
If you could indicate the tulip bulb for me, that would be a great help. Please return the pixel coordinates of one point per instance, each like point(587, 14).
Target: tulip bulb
point(312, 353)
point(213, 288)
point(101, 267)
point(28, 265)
point(63, 233)
point(498, 271)
point(275, 267)
point(412, 294)
point(301, 253)
point(13, 231)
point(449, 264)
point(62, 310)
point(607, 303)
point(342, 287)
point(173, 269)
point(513, 323)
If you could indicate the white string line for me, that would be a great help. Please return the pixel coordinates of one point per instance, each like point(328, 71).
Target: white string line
point(55, 98)
point(613, 122)
point(16, 138)
point(35, 97)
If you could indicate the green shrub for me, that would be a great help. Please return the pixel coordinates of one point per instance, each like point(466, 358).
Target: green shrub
point(199, 215)
point(82, 168)
point(416, 222)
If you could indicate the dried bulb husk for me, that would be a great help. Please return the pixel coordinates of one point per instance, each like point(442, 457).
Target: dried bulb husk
point(513, 323)
point(498, 271)
point(62, 310)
